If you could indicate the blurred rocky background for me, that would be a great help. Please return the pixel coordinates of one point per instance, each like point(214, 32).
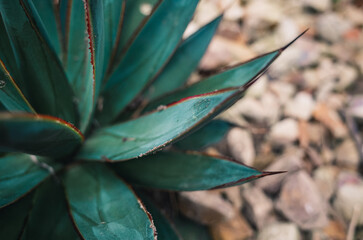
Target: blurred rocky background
point(305, 116)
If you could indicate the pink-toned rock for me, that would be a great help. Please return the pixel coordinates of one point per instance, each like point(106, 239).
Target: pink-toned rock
point(331, 120)
point(289, 162)
point(279, 231)
point(348, 200)
point(347, 154)
point(301, 202)
point(240, 145)
point(258, 206)
point(236, 228)
point(301, 107)
point(205, 207)
point(325, 178)
point(284, 132)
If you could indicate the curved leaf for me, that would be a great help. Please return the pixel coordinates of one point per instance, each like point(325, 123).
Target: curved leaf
point(33, 53)
point(184, 61)
point(95, 27)
point(103, 206)
point(77, 58)
point(7, 54)
point(13, 218)
point(233, 77)
point(186, 171)
point(164, 228)
point(191, 230)
point(150, 50)
point(114, 13)
point(151, 132)
point(47, 11)
point(210, 134)
point(37, 134)
point(10, 95)
point(19, 174)
point(241, 75)
point(49, 219)
point(132, 22)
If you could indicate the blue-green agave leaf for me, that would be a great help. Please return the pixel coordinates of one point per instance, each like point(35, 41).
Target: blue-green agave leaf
point(39, 65)
point(154, 131)
point(189, 229)
point(148, 53)
point(7, 54)
point(241, 75)
point(164, 227)
point(114, 13)
point(190, 171)
point(95, 17)
point(236, 76)
point(76, 58)
point(13, 218)
point(49, 218)
point(47, 17)
point(134, 21)
point(184, 61)
point(10, 95)
point(208, 135)
point(103, 206)
point(19, 174)
point(37, 134)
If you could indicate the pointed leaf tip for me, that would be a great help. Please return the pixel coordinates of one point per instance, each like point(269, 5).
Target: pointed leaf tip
point(290, 43)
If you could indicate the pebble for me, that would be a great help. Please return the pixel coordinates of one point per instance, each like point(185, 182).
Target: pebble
point(321, 5)
point(331, 120)
point(316, 132)
point(205, 207)
point(284, 132)
point(240, 145)
point(279, 231)
point(236, 228)
point(325, 178)
point(301, 107)
point(283, 90)
point(331, 27)
point(347, 154)
point(266, 110)
point(347, 76)
point(335, 230)
point(257, 205)
point(290, 162)
point(355, 107)
point(349, 197)
point(301, 202)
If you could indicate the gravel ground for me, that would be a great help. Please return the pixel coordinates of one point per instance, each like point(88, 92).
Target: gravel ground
point(304, 116)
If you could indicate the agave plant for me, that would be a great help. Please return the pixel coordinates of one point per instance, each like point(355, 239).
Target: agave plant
point(90, 91)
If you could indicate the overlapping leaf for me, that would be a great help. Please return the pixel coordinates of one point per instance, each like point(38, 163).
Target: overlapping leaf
point(164, 227)
point(48, 218)
point(151, 132)
point(76, 58)
point(103, 206)
point(184, 61)
point(33, 53)
point(37, 134)
point(233, 77)
point(19, 174)
point(210, 134)
point(10, 95)
point(241, 75)
point(186, 171)
point(48, 18)
point(147, 54)
point(13, 218)
point(131, 24)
